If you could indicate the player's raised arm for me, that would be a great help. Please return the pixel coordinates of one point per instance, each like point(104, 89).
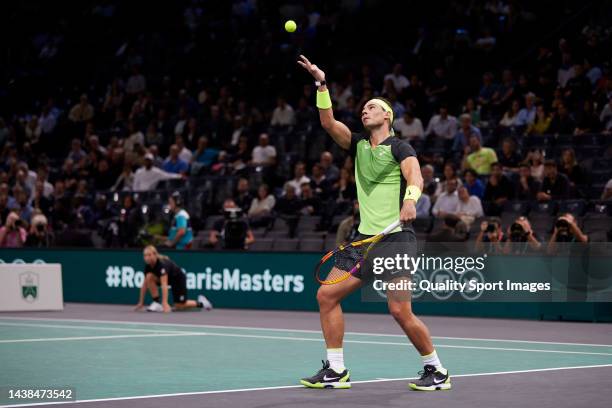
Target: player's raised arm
point(336, 129)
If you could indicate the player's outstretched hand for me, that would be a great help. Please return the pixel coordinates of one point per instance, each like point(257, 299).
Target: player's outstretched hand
point(138, 307)
point(315, 71)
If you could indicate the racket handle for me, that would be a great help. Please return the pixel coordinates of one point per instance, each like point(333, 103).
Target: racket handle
point(391, 227)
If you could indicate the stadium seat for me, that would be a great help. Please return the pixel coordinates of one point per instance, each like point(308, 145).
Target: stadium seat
point(575, 207)
point(314, 245)
point(261, 244)
point(285, 244)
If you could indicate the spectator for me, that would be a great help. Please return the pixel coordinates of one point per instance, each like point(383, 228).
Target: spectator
point(479, 158)
point(409, 127)
point(260, 212)
point(264, 154)
point(449, 174)
point(103, 178)
point(473, 110)
point(509, 158)
point(447, 202)
point(437, 89)
point(526, 186)
point(24, 208)
point(347, 230)
point(442, 125)
point(147, 177)
point(332, 173)
point(527, 115)
point(40, 236)
point(474, 186)
point(81, 112)
point(605, 117)
point(462, 137)
point(505, 93)
point(288, 209)
point(487, 91)
point(135, 137)
point(76, 152)
point(299, 178)
point(318, 181)
point(125, 181)
point(430, 184)
point(243, 197)
point(398, 81)
point(468, 207)
point(607, 191)
point(4, 208)
point(136, 83)
point(542, 122)
point(13, 234)
point(180, 235)
point(578, 87)
point(497, 191)
point(184, 153)
point(174, 164)
point(587, 121)
point(283, 115)
point(555, 186)
point(39, 201)
point(311, 204)
point(423, 206)
point(203, 156)
point(511, 118)
point(573, 171)
point(562, 122)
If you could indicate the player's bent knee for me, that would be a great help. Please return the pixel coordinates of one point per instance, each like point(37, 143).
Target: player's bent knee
point(400, 311)
point(325, 297)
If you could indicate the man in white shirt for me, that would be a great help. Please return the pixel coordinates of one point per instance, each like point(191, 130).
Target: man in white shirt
point(264, 154)
point(526, 116)
point(299, 178)
point(442, 125)
point(409, 127)
point(147, 177)
point(400, 82)
point(448, 201)
point(283, 114)
point(469, 207)
point(184, 153)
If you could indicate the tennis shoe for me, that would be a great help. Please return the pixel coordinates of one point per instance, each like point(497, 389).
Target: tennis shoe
point(203, 300)
point(328, 378)
point(155, 307)
point(431, 380)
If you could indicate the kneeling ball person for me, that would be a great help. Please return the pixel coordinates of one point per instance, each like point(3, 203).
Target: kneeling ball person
point(160, 270)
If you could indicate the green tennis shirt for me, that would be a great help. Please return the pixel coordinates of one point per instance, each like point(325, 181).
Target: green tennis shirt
point(380, 183)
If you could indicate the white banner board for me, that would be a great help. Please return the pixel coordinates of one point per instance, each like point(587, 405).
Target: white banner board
point(26, 287)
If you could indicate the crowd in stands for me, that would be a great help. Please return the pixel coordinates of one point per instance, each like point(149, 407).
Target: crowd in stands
point(95, 163)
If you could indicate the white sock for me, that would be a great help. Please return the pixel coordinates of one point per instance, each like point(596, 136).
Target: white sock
point(336, 359)
point(432, 359)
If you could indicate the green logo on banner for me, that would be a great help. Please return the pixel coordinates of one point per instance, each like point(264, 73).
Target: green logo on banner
point(29, 286)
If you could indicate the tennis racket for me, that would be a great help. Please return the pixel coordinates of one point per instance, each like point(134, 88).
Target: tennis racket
point(334, 276)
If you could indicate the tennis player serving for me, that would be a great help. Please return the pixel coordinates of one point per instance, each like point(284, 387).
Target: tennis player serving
point(389, 183)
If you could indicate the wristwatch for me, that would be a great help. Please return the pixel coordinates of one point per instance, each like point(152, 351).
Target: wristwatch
point(320, 83)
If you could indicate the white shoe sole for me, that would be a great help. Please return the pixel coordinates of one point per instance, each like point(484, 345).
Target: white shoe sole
point(438, 387)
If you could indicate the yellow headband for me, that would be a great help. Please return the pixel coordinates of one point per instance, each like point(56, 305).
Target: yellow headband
point(385, 106)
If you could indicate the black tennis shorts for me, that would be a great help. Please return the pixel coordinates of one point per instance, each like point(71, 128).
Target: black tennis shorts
point(399, 243)
point(179, 289)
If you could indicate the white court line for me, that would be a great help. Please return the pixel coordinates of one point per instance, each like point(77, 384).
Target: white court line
point(258, 336)
point(118, 336)
point(181, 394)
point(292, 330)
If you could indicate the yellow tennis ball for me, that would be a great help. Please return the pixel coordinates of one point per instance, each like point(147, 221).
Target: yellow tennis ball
point(290, 26)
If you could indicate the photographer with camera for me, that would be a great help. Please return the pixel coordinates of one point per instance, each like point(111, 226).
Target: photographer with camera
point(566, 231)
point(40, 236)
point(233, 231)
point(491, 236)
point(521, 238)
point(13, 234)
